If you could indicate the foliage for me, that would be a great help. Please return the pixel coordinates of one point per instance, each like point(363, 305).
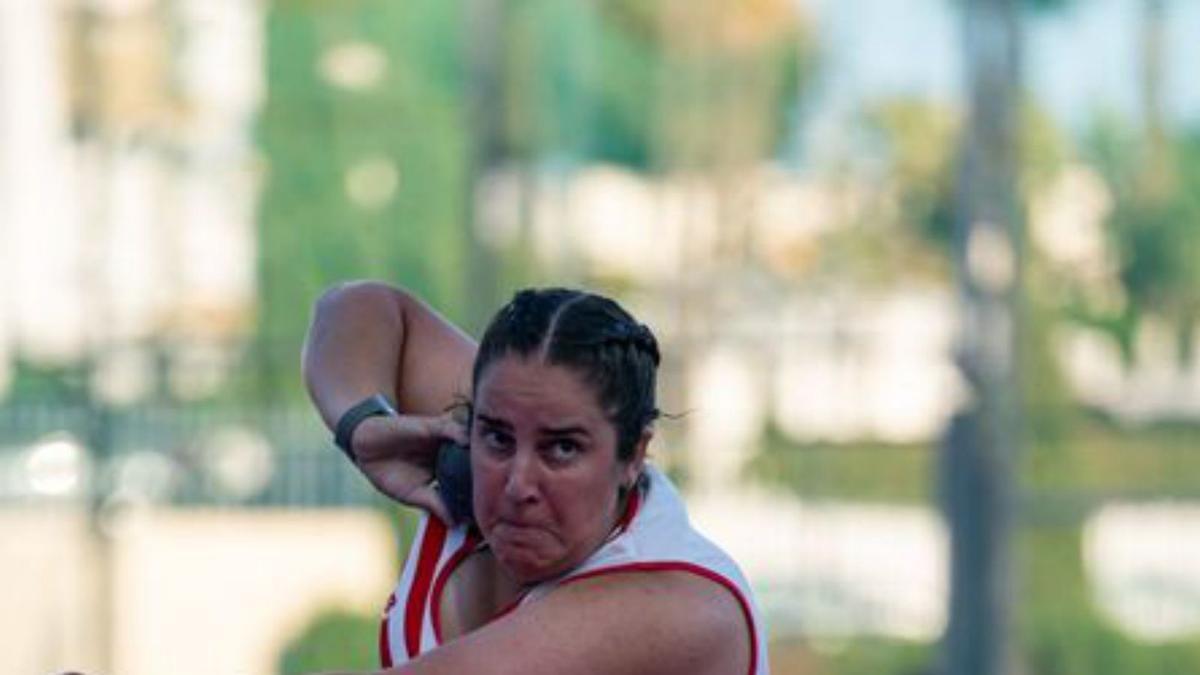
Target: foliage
point(1062, 631)
point(856, 657)
point(907, 229)
point(372, 179)
point(919, 139)
point(1092, 457)
point(918, 142)
point(639, 83)
point(402, 136)
point(877, 472)
point(335, 639)
point(48, 383)
point(1154, 227)
point(339, 639)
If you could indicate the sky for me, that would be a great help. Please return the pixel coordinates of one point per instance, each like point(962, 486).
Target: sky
point(1078, 61)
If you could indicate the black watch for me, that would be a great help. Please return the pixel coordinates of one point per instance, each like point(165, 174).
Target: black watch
point(371, 406)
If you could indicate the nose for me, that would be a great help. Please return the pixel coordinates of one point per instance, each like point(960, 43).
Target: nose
point(522, 481)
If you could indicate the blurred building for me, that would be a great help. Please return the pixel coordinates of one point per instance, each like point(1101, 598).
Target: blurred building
point(822, 360)
point(194, 591)
point(1144, 561)
point(127, 189)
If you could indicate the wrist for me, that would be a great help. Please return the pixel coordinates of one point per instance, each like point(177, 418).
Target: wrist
point(375, 405)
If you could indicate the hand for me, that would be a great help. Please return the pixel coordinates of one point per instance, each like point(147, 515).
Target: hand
point(398, 455)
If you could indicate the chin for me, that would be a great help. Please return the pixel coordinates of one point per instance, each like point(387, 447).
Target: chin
point(526, 567)
point(521, 567)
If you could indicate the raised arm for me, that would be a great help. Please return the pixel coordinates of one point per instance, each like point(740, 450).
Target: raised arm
point(667, 623)
point(368, 337)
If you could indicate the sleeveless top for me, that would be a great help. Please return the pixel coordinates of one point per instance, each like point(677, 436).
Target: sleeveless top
point(654, 534)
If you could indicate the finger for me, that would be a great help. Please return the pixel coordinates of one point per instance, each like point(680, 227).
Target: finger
point(445, 426)
point(427, 497)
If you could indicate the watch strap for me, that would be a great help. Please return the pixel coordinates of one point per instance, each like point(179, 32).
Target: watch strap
point(371, 406)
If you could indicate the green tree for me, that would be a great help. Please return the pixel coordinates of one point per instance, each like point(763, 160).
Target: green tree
point(1153, 173)
point(335, 639)
point(644, 82)
point(374, 174)
point(363, 175)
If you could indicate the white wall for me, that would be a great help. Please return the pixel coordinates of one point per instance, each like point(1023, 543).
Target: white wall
point(192, 591)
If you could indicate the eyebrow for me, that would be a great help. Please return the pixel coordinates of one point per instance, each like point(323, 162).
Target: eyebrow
point(569, 430)
point(572, 430)
point(492, 421)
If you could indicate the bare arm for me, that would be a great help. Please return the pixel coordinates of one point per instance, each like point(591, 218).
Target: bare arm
point(661, 622)
point(367, 338)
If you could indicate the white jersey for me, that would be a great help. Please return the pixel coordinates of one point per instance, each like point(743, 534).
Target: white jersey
point(654, 535)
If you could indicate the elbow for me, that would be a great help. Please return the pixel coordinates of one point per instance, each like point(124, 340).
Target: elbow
point(344, 315)
point(376, 297)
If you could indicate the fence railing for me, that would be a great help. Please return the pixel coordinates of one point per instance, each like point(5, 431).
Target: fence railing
point(184, 456)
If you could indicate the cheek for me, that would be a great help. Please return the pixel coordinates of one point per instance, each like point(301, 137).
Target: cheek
point(585, 503)
point(486, 485)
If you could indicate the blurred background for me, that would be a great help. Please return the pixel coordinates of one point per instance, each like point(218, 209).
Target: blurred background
point(836, 248)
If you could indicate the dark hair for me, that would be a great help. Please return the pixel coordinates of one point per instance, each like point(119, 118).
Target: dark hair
point(594, 336)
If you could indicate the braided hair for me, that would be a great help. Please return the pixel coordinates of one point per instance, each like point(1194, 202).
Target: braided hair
point(615, 355)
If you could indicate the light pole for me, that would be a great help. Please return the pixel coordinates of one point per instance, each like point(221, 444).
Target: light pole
point(978, 462)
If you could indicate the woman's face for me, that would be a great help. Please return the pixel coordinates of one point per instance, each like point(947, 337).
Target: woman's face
point(545, 467)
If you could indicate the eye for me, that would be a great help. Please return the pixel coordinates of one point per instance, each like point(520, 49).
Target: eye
point(562, 450)
point(496, 440)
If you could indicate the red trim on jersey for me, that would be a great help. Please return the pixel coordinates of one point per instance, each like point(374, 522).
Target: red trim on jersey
point(508, 609)
point(468, 545)
point(631, 508)
point(691, 568)
point(420, 597)
point(385, 645)
point(414, 611)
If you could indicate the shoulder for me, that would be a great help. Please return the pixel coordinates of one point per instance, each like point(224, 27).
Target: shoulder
point(678, 604)
point(664, 621)
point(638, 622)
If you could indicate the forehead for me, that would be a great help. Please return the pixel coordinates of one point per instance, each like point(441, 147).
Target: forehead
point(530, 388)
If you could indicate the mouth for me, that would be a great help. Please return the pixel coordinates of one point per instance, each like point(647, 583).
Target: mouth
point(516, 525)
point(518, 532)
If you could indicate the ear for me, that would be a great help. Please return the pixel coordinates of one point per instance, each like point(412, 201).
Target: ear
point(633, 468)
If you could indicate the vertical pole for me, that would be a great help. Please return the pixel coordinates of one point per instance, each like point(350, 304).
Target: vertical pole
point(978, 455)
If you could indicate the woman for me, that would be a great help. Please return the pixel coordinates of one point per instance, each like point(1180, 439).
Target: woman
point(576, 556)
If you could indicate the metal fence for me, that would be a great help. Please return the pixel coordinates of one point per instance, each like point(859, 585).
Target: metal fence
point(173, 455)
